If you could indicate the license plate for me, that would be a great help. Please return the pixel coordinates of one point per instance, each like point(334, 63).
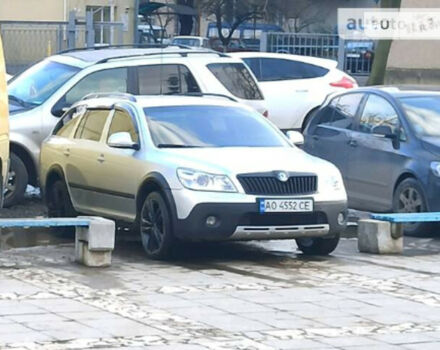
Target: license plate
point(285, 205)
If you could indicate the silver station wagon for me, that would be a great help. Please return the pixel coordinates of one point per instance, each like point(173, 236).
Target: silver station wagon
point(191, 168)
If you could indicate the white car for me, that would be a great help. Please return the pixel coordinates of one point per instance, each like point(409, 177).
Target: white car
point(39, 96)
point(294, 86)
point(8, 77)
point(179, 167)
point(192, 41)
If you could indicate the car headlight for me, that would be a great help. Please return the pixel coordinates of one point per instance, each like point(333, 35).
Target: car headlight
point(435, 167)
point(201, 181)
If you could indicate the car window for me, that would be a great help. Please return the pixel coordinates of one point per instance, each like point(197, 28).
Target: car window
point(35, 85)
point(109, 80)
point(378, 111)
point(254, 64)
point(274, 69)
point(92, 125)
point(122, 122)
point(210, 126)
point(340, 112)
point(166, 79)
point(236, 78)
point(65, 126)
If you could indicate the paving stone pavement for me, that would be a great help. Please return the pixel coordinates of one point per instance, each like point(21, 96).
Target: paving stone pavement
point(222, 296)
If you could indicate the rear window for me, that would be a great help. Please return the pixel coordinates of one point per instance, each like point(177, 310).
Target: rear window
point(236, 78)
point(274, 69)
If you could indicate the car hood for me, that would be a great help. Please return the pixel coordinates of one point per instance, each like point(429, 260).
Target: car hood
point(432, 144)
point(240, 160)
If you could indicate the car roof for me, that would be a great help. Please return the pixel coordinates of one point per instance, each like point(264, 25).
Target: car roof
point(94, 56)
point(325, 62)
point(401, 91)
point(162, 101)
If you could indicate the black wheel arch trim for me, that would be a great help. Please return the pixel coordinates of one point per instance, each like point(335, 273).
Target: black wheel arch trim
point(56, 168)
point(159, 180)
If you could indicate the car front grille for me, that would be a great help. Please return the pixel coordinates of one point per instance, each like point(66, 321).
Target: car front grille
point(270, 185)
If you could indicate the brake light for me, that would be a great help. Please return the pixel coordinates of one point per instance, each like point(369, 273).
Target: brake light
point(266, 114)
point(345, 83)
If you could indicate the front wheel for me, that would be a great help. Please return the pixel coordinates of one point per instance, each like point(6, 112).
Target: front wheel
point(155, 227)
point(18, 178)
point(409, 198)
point(317, 246)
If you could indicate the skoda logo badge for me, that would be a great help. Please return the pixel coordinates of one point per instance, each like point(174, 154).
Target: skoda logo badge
point(282, 176)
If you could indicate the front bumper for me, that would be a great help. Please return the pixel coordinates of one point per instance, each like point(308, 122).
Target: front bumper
point(242, 221)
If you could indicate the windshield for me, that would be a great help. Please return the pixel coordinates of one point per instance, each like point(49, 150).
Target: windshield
point(210, 126)
point(423, 114)
point(35, 85)
point(187, 42)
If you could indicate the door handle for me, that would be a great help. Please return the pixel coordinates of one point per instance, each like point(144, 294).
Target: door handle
point(101, 158)
point(353, 143)
point(67, 152)
point(314, 137)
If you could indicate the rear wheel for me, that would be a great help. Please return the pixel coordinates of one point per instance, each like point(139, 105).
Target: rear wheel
point(17, 181)
point(409, 198)
point(317, 246)
point(60, 205)
point(155, 227)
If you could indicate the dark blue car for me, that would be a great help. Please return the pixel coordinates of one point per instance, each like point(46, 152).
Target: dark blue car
point(386, 143)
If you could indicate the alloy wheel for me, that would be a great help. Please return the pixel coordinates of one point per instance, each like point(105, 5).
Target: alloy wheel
point(153, 228)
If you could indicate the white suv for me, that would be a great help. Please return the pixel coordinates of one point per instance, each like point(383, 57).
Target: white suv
point(40, 95)
point(295, 86)
point(192, 168)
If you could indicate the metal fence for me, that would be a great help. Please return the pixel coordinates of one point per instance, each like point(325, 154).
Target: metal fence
point(27, 42)
point(353, 56)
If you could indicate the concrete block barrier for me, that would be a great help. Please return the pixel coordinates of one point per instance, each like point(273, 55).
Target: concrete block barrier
point(94, 244)
point(380, 237)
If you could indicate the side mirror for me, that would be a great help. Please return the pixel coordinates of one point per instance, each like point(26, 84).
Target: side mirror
point(384, 130)
point(59, 112)
point(295, 137)
point(122, 140)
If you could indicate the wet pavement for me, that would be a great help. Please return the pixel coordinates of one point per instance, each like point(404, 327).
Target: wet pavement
point(262, 295)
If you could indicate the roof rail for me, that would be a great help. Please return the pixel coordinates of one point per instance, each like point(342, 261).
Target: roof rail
point(183, 54)
point(121, 95)
point(202, 94)
point(133, 46)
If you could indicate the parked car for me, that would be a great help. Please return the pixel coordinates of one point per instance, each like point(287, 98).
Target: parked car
point(4, 127)
point(359, 56)
point(295, 86)
point(39, 96)
point(192, 173)
point(386, 143)
point(192, 41)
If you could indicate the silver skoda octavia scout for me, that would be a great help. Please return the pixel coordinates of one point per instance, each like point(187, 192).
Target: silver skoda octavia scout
point(191, 168)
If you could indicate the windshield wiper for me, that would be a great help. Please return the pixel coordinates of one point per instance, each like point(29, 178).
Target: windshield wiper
point(17, 99)
point(21, 102)
point(170, 145)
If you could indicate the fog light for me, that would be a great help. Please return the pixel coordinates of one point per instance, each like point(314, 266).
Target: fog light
point(211, 221)
point(341, 219)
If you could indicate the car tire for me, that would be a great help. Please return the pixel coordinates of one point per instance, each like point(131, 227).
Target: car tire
point(409, 198)
point(60, 205)
point(58, 201)
point(317, 246)
point(18, 178)
point(155, 226)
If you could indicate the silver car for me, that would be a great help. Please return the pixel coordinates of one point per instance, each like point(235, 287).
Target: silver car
point(40, 95)
point(192, 168)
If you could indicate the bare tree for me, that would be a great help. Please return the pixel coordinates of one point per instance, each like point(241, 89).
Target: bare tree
point(235, 12)
point(302, 13)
